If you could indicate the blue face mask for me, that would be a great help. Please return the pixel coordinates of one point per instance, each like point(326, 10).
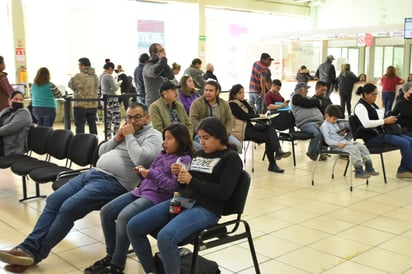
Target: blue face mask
point(16, 105)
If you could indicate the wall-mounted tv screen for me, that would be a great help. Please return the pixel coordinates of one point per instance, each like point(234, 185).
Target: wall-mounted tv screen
point(407, 31)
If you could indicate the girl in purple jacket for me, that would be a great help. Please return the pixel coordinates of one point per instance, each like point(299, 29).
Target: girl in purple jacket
point(158, 184)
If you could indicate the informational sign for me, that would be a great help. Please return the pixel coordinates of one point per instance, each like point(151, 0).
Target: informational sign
point(20, 56)
point(364, 39)
point(149, 32)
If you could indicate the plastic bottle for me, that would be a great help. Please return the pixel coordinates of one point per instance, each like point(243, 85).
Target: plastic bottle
point(175, 205)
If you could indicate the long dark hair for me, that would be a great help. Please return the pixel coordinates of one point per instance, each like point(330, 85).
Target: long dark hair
point(215, 128)
point(182, 136)
point(234, 90)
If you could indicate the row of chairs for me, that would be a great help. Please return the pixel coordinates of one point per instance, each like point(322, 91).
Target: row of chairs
point(54, 145)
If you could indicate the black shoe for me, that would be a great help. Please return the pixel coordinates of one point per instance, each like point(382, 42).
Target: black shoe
point(282, 154)
point(275, 168)
point(313, 157)
point(98, 265)
point(111, 269)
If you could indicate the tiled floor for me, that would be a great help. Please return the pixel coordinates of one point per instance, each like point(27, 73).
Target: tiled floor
point(297, 228)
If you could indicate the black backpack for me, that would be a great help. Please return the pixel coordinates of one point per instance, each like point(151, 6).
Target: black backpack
point(204, 266)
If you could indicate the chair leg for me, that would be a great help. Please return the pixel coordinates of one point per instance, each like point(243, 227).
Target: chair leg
point(24, 186)
point(194, 255)
point(293, 152)
point(252, 247)
point(383, 168)
point(314, 169)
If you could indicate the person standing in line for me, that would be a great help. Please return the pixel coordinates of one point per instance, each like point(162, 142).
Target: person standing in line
point(138, 76)
point(155, 72)
point(209, 74)
point(43, 94)
point(197, 74)
point(389, 82)
point(303, 75)
point(327, 73)
point(5, 88)
point(85, 86)
point(125, 86)
point(109, 87)
point(176, 70)
point(258, 85)
point(346, 80)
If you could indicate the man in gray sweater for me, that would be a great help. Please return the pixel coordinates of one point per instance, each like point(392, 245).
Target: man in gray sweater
point(155, 72)
point(308, 118)
point(136, 143)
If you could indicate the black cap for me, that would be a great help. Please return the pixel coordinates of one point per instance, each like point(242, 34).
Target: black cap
point(266, 56)
point(166, 85)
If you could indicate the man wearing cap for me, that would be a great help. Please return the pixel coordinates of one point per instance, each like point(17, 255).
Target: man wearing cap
point(308, 118)
point(326, 73)
point(155, 72)
point(273, 96)
point(260, 80)
point(196, 73)
point(167, 109)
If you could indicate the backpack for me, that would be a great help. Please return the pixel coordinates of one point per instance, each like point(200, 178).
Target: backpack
point(204, 266)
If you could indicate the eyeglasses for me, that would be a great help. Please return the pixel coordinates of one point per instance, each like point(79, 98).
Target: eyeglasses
point(373, 94)
point(135, 118)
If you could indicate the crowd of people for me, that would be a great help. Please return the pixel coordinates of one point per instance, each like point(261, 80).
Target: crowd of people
point(181, 136)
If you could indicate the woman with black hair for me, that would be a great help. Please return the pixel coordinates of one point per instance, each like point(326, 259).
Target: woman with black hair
point(243, 128)
point(371, 117)
point(15, 122)
point(210, 181)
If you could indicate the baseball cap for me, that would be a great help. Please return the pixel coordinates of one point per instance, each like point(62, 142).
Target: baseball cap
point(166, 85)
point(301, 85)
point(266, 56)
point(330, 57)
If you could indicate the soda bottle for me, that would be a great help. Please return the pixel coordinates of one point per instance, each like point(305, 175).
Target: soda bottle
point(175, 205)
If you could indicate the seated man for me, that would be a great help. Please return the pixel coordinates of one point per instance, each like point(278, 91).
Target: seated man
point(308, 118)
point(136, 143)
point(210, 105)
point(273, 96)
point(167, 109)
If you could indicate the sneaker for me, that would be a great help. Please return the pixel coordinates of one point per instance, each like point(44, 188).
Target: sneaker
point(111, 269)
point(16, 268)
point(372, 172)
point(313, 157)
point(98, 265)
point(404, 175)
point(362, 175)
point(323, 157)
point(282, 155)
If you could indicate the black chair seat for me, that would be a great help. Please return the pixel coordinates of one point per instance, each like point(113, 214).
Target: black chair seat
point(22, 168)
point(381, 149)
point(47, 174)
point(7, 161)
point(59, 182)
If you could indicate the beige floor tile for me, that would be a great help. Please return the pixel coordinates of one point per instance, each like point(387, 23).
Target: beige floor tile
point(353, 267)
point(340, 247)
point(310, 260)
point(293, 215)
point(391, 225)
point(399, 245)
point(385, 260)
point(300, 234)
point(327, 224)
point(351, 215)
point(268, 223)
point(366, 235)
point(273, 266)
point(271, 246)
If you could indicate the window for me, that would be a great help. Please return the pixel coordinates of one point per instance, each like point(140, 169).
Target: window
point(388, 56)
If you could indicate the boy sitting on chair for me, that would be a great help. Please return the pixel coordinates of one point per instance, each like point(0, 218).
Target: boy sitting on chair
point(335, 138)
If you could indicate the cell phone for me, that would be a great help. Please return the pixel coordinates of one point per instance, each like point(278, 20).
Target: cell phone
point(398, 115)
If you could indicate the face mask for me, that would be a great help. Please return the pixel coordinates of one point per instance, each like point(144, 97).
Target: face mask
point(16, 105)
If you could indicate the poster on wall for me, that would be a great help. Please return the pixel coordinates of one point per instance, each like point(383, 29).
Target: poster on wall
point(149, 32)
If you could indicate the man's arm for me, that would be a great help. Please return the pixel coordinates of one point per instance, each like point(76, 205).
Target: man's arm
point(144, 148)
point(305, 102)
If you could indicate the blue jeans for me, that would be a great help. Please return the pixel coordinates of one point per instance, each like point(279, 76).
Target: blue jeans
point(81, 115)
point(255, 101)
point(387, 100)
point(45, 116)
point(232, 139)
point(87, 192)
point(114, 217)
point(171, 233)
point(402, 141)
point(314, 144)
